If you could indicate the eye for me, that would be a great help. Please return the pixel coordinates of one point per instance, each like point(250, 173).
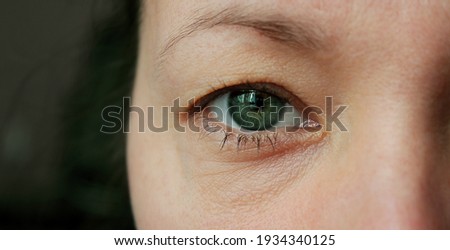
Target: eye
point(256, 107)
point(255, 115)
point(249, 110)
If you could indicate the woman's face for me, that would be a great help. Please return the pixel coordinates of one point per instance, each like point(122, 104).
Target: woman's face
point(364, 141)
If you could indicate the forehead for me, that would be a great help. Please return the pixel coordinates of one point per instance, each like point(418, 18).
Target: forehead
point(321, 9)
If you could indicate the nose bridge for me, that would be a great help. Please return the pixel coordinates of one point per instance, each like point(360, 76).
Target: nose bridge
point(392, 169)
point(394, 153)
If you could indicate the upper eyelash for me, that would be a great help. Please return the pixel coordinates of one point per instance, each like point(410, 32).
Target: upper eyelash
point(268, 87)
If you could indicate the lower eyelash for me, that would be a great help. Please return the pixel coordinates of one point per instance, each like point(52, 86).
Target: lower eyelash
point(260, 138)
point(243, 139)
point(255, 146)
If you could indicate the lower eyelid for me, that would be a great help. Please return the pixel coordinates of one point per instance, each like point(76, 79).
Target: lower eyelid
point(232, 145)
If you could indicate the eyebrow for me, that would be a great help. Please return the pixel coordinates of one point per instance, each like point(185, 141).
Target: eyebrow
point(298, 33)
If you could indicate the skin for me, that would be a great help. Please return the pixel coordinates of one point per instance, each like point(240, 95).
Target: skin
point(387, 61)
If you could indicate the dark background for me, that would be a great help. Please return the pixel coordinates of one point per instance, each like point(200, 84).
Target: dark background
point(44, 182)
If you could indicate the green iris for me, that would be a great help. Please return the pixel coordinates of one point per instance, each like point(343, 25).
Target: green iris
point(255, 110)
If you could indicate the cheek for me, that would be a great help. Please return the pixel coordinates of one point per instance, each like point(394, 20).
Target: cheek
point(155, 181)
point(164, 192)
point(167, 192)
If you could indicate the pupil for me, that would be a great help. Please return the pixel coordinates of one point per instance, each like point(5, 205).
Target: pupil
point(255, 110)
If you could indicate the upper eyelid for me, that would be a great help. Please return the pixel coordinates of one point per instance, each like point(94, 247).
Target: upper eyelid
point(269, 87)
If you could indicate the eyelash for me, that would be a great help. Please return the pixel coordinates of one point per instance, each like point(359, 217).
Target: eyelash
point(261, 138)
point(263, 85)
